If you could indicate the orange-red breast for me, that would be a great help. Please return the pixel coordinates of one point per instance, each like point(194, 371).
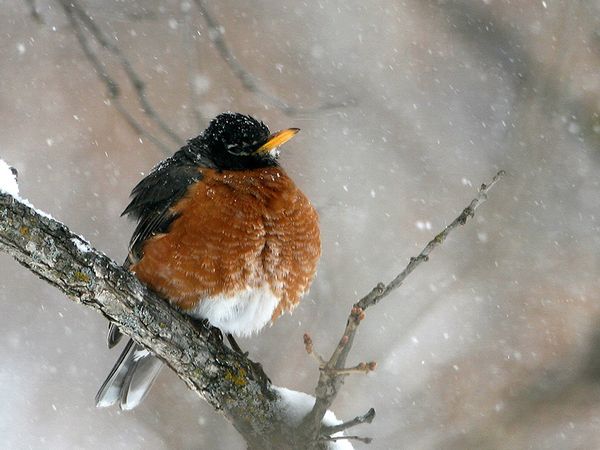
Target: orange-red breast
point(222, 233)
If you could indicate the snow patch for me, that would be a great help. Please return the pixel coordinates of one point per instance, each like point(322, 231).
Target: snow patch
point(8, 184)
point(8, 180)
point(81, 244)
point(294, 405)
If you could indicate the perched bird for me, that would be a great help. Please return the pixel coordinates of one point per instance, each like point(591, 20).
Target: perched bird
point(223, 234)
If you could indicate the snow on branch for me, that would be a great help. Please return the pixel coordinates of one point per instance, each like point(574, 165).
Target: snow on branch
point(8, 179)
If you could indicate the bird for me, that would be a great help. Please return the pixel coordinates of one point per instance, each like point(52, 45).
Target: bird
point(223, 234)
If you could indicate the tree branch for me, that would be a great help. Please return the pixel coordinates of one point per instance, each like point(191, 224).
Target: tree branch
point(333, 372)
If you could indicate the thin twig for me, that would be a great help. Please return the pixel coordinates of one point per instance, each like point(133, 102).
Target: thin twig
point(365, 418)
point(364, 440)
point(363, 367)
point(356, 315)
point(308, 345)
point(330, 381)
point(249, 81)
point(138, 85)
point(111, 85)
point(376, 295)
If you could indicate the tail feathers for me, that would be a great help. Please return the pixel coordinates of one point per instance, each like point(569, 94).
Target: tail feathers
point(130, 379)
point(139, 381)
point(114, 335)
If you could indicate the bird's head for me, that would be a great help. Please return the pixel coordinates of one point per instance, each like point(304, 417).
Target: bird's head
point(237, 141)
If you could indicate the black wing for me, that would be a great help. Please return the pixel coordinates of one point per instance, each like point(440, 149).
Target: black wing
point(154, 196)
point(151, 204)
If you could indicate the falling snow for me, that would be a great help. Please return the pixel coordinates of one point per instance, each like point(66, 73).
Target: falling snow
point(423, 225)
point(81, 244)
point(440, 95)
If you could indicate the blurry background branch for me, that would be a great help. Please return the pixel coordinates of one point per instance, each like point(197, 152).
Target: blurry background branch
point(248, 80)
point(81, 21)
point(35, 14)
point(333, 371)
point(76, 13)
point(535, 78)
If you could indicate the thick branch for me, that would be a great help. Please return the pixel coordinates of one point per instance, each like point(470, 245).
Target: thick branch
point(333, 372)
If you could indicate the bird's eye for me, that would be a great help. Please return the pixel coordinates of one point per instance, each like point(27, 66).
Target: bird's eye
point(239, 149)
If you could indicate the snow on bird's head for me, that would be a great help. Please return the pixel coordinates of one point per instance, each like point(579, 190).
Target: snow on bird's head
point(236, 133)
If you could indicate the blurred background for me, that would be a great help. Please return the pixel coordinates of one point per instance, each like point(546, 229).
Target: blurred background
point(405, 108)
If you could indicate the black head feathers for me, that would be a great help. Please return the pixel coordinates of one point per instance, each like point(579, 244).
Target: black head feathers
point(231, 142)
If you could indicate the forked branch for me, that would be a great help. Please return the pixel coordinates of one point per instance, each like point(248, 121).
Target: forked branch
point(333, 370)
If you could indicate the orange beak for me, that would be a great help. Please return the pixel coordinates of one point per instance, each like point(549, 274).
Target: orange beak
point(277, 139)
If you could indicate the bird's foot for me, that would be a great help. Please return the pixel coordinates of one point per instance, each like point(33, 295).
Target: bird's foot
point(204, 324)
point(234, 345)
point(257, 368)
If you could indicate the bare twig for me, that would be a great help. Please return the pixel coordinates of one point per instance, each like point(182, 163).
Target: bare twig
point(365, 418)
point(249, 81)
point(363, 367)
point(331, 377)
point(364, 440)
point(75, 12)
point(111, 84)
point(377, 294)
point(308, 345)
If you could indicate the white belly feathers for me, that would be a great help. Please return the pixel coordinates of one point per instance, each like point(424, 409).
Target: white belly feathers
point(242, 314)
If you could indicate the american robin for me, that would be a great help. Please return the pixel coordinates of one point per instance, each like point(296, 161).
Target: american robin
point(222, 233)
